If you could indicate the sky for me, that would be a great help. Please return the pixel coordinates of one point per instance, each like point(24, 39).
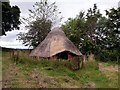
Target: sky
point(68, 9)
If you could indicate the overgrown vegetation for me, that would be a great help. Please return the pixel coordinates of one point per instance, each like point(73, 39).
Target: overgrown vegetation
point(53, 73)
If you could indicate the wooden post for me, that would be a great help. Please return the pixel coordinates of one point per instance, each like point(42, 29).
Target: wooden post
point(15, 56)
point(84, 58)
point(91, 57)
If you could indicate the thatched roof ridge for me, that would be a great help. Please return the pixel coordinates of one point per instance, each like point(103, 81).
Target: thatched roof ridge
point(55, 42)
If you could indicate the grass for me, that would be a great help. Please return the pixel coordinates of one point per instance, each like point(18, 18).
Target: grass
point(108, 63)
point(46, 73)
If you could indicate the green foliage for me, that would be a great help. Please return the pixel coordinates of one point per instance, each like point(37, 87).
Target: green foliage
point(43, 16)
point(109, 36)
point(93, 33)
point(10, 17)
point(108, 55)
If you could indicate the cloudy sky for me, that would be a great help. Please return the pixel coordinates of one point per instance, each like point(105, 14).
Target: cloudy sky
point(68, 8)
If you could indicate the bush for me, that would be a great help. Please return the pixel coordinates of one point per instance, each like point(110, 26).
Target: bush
point(108, 55)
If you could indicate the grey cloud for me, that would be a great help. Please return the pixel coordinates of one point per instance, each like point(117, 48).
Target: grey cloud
point(11, 36)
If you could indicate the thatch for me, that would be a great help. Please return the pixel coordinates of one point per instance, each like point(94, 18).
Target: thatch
point(55, 42)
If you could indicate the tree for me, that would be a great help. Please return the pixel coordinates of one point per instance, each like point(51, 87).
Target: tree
point(74, 29)
point(81, 30)
point(10, 17)
point(43, 16)
point(113, 27)
point(111, 32)
point(97, 34)
point(108, 36)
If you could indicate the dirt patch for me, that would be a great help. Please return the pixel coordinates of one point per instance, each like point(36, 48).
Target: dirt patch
point(90, 85)
point(110, 68)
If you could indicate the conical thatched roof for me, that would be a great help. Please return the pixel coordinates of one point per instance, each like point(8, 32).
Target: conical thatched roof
point(55, 42)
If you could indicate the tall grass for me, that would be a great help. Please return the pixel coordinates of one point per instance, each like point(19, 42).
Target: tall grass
point(61, 68)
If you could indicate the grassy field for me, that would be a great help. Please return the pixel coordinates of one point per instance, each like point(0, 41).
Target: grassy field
point(30, 73)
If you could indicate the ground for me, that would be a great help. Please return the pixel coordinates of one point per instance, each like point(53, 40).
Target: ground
point(51, 74)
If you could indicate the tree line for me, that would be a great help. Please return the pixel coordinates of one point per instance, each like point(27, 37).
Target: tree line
point(95, 33)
